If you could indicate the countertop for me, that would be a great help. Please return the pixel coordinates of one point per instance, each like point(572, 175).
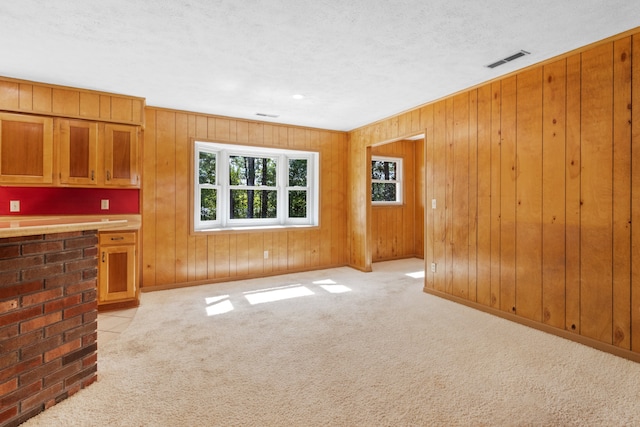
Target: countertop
point(15, 226)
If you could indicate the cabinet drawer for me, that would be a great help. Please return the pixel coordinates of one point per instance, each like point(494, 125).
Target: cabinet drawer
point(117, 238)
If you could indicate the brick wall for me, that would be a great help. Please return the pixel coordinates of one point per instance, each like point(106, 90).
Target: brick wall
point(48, 321)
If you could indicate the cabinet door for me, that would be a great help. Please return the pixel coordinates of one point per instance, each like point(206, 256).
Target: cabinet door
point(117, 273)
point(121, 156)
point(26, 149)
point(78, 152)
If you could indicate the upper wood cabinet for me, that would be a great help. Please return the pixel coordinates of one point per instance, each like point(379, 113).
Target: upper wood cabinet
point(26, 149)
point(78, 152)
point(121, 155)
point(97, 154)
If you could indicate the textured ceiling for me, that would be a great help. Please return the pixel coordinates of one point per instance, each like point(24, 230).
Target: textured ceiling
point(355, 61)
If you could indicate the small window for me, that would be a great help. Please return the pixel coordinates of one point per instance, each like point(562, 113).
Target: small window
point(386, 180)
point(239, 186)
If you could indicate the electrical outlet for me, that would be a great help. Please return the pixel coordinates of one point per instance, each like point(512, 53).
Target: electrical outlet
point(433, 203)
point(104, 204)
point(266, 254)
point(14, 206)
point(434, 267)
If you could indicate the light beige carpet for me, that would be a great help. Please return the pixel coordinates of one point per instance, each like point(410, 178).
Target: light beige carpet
point(344, 349)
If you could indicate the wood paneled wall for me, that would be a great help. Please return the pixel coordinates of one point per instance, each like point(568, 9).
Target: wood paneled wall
point(171, 255)
point(44, 99)
point(396, 230)
point(536, 182)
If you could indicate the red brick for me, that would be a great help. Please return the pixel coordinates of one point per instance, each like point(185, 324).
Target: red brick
point(81, 242)
point(8, 414)
point(21, 239)
point(90, 295)
point(7, 306)
point(11, 251)
point(42, 272)
point(40, 372)
point(62, 280)
point(90, 274)
point(61, 327)
point(20, 394)
point(20, 341)
point(20, 289)
point(42, 247)
point(9, 331)
point(9, 278)
point(8, 359)
point(90, 339)
point(62, 350)
point(41, 347)
point(79, 354)
point(20, 315)
point(90, 360)
point(40, 322)
point(80, 332)
point(41, 297)
point(91, 252)
point(45, 395)
point(79, 309)
point(83, 264)
point(63, 256)
point(63, 373)
point(9, 386)
point(81, 287)
point(82, 375)
point(16, 370)
point(87, 382)
point(61, 303)
point(21, 263)
point(63, 236)
point(91, 316)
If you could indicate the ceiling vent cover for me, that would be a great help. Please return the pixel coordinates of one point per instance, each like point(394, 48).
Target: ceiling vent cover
point(508, 59)
point(273, 116)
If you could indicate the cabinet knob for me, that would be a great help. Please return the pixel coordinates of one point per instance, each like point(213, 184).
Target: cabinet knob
point(103, 260)
point(108, 175)
point(93, 175)
point(117, 238)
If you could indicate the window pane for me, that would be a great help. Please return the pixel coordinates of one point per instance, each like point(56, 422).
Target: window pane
point(207, 168)
point(252, 171)
point(383, 192)
point(253, 204)
point(297, 204)
point(208, 200)
point(297, 173)
point(383, 170)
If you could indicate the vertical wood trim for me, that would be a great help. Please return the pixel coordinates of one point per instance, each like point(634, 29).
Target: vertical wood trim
point(622, 193)
point(149, 211)
point(597, 198)
point(529, 169)
point(426, 117)
point(473, 195)
point(508, 196)
point(460, 174)
point(573, 193)
point(635, 196)
point(182, 183)
point(554, 194)
point(484, 217)
point(439, 190)
point(496, 181)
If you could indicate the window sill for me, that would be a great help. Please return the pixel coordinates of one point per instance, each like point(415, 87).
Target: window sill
point(253, 229)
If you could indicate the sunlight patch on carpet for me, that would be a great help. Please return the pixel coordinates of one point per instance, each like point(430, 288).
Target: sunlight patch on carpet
point(260, 297)
point(336, 289)
point(416, 275)
point(218, 305)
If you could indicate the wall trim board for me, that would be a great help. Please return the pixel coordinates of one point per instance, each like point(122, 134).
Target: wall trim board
point(580, 339)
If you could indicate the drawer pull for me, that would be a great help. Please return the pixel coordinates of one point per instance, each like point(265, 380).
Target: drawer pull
point(103, 257)
point(117, 238)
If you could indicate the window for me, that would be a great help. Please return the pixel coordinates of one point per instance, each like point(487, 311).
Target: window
point(240, 186)
point(386, 180)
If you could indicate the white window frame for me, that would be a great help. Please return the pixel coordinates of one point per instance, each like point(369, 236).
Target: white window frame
point(282, 156)
point(397, 181)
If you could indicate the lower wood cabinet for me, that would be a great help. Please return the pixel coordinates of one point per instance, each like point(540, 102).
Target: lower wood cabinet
point(117, 269)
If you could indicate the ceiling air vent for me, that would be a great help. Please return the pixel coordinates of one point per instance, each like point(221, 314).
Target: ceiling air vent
point(508, 59)
point(273, 116)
